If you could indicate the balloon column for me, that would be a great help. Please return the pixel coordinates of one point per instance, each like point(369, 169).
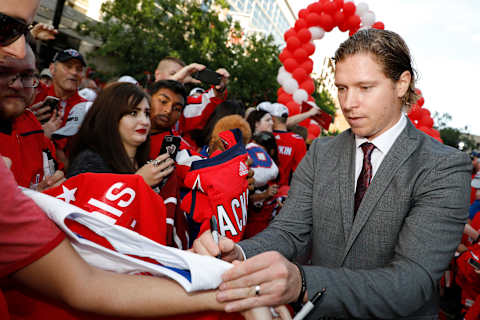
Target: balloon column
point(313, 22)
point(421, 117)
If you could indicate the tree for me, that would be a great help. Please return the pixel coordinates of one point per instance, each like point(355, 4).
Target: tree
point(452, 136)
point(136, 34)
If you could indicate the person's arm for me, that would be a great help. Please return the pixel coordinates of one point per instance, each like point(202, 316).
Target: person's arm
point(296, 119)
point(62, 274)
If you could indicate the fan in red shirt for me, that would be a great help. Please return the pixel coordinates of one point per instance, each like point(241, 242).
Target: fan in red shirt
point(21, 136)
point(291, 146)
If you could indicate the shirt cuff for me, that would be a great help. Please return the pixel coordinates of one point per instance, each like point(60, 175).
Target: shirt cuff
point(243, 252)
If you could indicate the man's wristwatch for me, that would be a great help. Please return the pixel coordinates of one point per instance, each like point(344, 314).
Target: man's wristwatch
point(297, 305)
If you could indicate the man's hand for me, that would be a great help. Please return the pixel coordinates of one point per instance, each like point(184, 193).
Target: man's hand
point(278, 278)
point(42, 112)
point(155, 171)
point(220, 88)
point(45, 32)
point(52, 181)
point(52, 125)
point(205, 245)
point(250, 175)
point(184, 75)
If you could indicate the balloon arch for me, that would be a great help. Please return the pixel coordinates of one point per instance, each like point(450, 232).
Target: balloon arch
point(313, 22)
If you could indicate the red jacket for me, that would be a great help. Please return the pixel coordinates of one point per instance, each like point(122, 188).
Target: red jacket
point(31, 152)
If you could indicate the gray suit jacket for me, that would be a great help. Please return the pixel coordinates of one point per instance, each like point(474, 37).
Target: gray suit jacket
point(386, 262)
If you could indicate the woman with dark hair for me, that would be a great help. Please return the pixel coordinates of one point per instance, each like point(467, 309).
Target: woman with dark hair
point(113, 137)
point(260, 120)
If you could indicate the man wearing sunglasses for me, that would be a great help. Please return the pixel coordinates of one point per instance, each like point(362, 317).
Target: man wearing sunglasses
point(21, 136)
point(15, 19)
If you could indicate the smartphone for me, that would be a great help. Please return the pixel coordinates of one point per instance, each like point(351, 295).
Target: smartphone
point(208, 76)
point(52, 102)
point(170, 144)
point(474, 263)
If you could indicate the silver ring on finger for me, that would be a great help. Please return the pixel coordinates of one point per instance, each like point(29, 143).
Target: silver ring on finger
point(257, 290)
point(155, 162)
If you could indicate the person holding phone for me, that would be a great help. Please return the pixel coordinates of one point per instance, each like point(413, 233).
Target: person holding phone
point(198, 108)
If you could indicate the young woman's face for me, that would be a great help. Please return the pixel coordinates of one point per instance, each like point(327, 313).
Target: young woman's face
point(135, 126)
point(264, 124)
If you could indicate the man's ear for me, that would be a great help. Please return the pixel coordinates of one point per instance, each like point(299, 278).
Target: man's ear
point(51, 67)
point(403, 84)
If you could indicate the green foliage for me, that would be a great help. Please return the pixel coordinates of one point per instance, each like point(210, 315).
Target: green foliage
point(453, 136)
point(137, 34)
point(324, 100)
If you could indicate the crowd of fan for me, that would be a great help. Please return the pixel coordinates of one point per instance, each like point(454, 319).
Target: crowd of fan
point(74, 125)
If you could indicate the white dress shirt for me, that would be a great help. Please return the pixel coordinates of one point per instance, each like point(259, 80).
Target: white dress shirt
point(382, 144)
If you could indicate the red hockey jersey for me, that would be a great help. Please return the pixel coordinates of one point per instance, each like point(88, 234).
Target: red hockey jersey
point(219, 187)
point(291, 149)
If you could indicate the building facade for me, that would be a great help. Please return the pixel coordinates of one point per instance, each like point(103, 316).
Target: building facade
point(268, 17)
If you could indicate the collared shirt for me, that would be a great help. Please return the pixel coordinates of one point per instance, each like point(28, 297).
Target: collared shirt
point(382, 143)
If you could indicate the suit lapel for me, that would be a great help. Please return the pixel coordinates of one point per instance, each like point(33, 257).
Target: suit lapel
point(347, 183)
point(401, 150)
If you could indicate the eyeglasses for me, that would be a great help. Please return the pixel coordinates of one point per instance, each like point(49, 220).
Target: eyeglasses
point(11, 29)
point(27, 80)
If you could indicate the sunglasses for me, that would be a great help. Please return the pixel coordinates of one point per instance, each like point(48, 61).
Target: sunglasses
point(11, 29)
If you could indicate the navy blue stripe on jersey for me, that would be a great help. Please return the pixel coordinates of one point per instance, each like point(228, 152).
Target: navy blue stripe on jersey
point(227, 155)
point(31, 132)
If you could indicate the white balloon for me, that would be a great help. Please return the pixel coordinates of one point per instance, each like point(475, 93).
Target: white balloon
point(283, 77)
point(362, 8)
point(300, 95)
point(368, 19)
point(290, 86)
point(317, 33)
point(282, 70)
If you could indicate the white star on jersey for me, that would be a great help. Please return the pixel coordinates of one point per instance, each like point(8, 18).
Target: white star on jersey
point(67, 195)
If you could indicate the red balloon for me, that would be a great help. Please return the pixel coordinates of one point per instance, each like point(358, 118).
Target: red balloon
point(424, 113)
point(315, 7)
point(304, 35)
point(353, 31)
point(414, 113)
point(290, 64)
point(299, 74)
point(286, 54)
point(309, 48)
point(421, 101)
point(300, 24)
point(293, 108)
point(343, 27)
point(349, 9)
point(308, 85)
point(280, 91)
point(353, 22)
point(313, 19)
point(330, 8)
point(289, 33)
point(326, 22)
point(338, 18)
point(339, 4)
point(303, 13)
point(300, 54)
point(426, 121)
point(307, 66)
point(418, 91)
point(378, 25)
point(293, 43)
point(284, 98)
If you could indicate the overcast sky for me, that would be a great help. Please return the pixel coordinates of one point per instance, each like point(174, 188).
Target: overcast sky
point(444, 39)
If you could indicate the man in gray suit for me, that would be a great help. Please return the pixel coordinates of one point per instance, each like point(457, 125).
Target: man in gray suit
point(382, 205)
